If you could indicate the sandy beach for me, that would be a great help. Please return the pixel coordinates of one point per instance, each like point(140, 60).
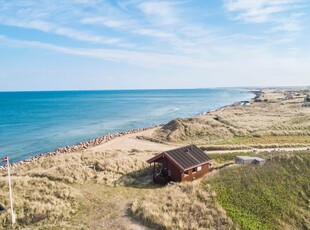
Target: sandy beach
point(258, 118)
point(145, 114)
point(110, 173)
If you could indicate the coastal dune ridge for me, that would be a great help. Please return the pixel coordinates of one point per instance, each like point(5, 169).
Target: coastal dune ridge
point(107, 181)
point(164, 115)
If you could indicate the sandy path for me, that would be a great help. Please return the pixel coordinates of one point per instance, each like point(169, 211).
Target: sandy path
point(259, 150)
point(129, 142)
point(107, 207)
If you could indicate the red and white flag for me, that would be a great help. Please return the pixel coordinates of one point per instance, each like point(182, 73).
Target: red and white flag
point(4, 159)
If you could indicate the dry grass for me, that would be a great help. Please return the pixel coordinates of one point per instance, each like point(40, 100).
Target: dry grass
point(270, 122)
point(109, 167)
point(107, 207)
point(37, 199)
point(180, 130)
point(274, 196)
point(182, 206)
point(48, 191)
point(285, 141)
point(94, 189)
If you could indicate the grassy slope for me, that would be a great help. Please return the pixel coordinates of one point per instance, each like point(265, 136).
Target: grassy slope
point(105, 207)
point(93, 190)
point(267, 140)
point(227, 157)
point(37, 200)
point(64, 190)
point(271, 124)
point(275, 196)
point(182, 206)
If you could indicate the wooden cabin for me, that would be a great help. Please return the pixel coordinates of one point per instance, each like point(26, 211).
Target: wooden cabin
point(183, 164)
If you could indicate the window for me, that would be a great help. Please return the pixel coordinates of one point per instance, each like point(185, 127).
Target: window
point(194, 170)
point(199, 168)
point(185, 173)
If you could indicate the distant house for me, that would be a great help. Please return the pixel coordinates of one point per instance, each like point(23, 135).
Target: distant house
point(246, 160)
point(306, 104)
point(306, 101)
point(183, 164)
point(244, 103)
point(2, 209)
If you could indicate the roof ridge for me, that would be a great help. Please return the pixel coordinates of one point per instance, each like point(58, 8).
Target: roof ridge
point(179, 148)
point(184, 157)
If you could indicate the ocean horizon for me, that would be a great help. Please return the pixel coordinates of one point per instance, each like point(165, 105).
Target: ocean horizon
point(35, 122)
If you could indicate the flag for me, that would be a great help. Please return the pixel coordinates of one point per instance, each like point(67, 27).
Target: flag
point(4, 159)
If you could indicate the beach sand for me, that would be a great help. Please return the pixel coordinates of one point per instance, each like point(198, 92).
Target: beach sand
point(94, 185)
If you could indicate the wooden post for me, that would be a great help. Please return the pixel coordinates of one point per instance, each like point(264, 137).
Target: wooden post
point(10, 189)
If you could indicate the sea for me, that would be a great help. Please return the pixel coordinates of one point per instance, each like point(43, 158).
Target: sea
point(37, 122)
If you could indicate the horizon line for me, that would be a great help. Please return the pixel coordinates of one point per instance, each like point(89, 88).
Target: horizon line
point(147, 89)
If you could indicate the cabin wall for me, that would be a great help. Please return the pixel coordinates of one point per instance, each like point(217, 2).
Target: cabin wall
point(195, 175)
point(175, 173)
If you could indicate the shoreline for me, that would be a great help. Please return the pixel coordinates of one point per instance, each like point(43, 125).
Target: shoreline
point(102, 139)
point(78, 147)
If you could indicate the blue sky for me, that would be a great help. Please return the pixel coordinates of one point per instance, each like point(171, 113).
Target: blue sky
point(134, 44)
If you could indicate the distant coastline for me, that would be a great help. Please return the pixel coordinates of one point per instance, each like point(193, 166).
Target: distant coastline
point(47, 121)
point(100, 140)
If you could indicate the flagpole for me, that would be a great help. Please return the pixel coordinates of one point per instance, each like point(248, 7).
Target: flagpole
point(11, 197)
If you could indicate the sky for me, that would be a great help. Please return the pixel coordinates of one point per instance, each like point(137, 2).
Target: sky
point(135, 44)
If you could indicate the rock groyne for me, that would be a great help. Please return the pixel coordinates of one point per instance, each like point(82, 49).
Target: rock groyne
point(78, 147)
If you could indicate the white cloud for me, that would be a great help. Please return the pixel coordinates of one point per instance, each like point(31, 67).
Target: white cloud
point(280, 12)
point(104, 21)
point(161, 12)
point(153, 33)
point(86, 36)
point(145, 59)
point(51, 17)
point(49, 27)
point(166, 35)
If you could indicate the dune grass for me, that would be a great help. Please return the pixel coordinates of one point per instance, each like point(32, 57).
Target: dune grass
point(285, 141)
point(274, 196)
point(54, 189)
point(181, 206)
point(37, 200)
point(228, 157)
point(94, 190)
point(261, 125)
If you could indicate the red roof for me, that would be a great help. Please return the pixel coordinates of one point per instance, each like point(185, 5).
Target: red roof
point(184, 158)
